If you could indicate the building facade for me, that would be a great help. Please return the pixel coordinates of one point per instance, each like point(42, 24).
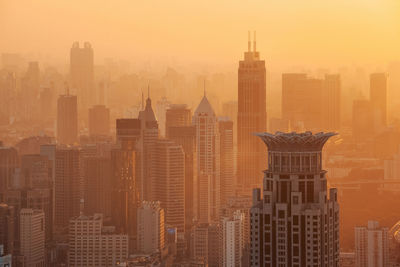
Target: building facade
point(295, 222)
point(67, 119)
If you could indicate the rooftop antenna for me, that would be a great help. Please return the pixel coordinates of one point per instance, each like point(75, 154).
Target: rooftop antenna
point(249, 42)
point(148, 91)
point(204, 87)
point(254, 43)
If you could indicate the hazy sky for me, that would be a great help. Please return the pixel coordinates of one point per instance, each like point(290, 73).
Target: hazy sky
point(325, 32)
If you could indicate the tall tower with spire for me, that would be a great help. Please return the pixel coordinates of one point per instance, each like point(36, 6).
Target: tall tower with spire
point(252, 117)
point(148, 137)
point(208, 184)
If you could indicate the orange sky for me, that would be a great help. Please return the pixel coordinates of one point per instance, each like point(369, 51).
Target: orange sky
point(289, 32)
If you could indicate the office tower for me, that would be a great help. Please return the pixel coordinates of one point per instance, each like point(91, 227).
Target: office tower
point(331, 102)
point(93, 244)
point(378, 98)
point(67, 119)
point(302, 100)
point(295, 223)
point(227, 172)
point(150, 228)
point(67, 186)
point(82, 74)
point(232, 239)
point(372, 245)
point(8, 97)
point(362, 114)
point(186, 137)
point(148, 136)
point(161, 109)
point(32, 237)
point(205, 244)
point(30, 85)
point(9, 161)
point(207, 143)
point(124, 192)
point(168, 174)
point(49, 151)
point(7, 228)
point(99, 120)
point(252, 117)
point(97, 185)
point(5, 258)
point(177, 115)
point(128, 133)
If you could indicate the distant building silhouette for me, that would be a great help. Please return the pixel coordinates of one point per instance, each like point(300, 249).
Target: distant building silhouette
point(99, 121)
point(82, 75)
point(67, 119)
point(7, 228)
point(252, 117)
point(378, 98)
point(296, 222)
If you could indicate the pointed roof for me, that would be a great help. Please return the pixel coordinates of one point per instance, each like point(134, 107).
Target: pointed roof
point(204, 107)
point(147, 114)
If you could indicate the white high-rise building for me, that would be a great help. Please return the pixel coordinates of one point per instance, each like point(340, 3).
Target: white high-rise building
point(372, 245)
point(150, 228)
point(296, 222)
point(207, 162)
point(92, 244)
point(32, 237)
point(233, 239)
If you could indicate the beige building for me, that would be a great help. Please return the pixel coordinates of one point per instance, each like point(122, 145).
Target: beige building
point(150, 228)
point(93, 244)
point(32, 237)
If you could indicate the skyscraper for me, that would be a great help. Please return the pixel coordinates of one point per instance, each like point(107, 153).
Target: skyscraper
point(208, 185)
point(227, 172)
point(32, 237)
point(378, 98)
point(67, 186)
point(99, 121)
point(252, 117)
point(296, 222)
point(67, 119)
point(168, 176)
point(177, 115)
point(128, 133)
point(93, 244)
point(82, 75)
point(148, 135)
point(372, 245)
point(7, 226)
point(150, 228)
point(232, 239)
point(9, 161)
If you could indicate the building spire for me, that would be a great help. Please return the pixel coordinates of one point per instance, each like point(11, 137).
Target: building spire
point(148, 91)
point(249, 42)
point(254, 42)
point(204, 87)
point(142, 100)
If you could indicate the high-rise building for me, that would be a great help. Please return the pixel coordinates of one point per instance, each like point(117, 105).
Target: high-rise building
point(207, 143)
point(124, 192)
point(186, 137)
point(372, 245)
point(30, 86)
point(99, 121)
point(128, 133)
point(150, 228)
point(32, 237)
point(331, 102)
point(93, 244)
point(296, 222)
point(252, 117)
point(97, 185)
point(227, 172)
point(7, 228)
point(148, 135)
point(177, 115)
point(67, 119)
point(168, 174)
point(82, 74)
point(232, 229)
point(205, 244)
point(35, 171)
point(378, 98)
point(161, 110)
point(67, 186)
point(9, 161)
